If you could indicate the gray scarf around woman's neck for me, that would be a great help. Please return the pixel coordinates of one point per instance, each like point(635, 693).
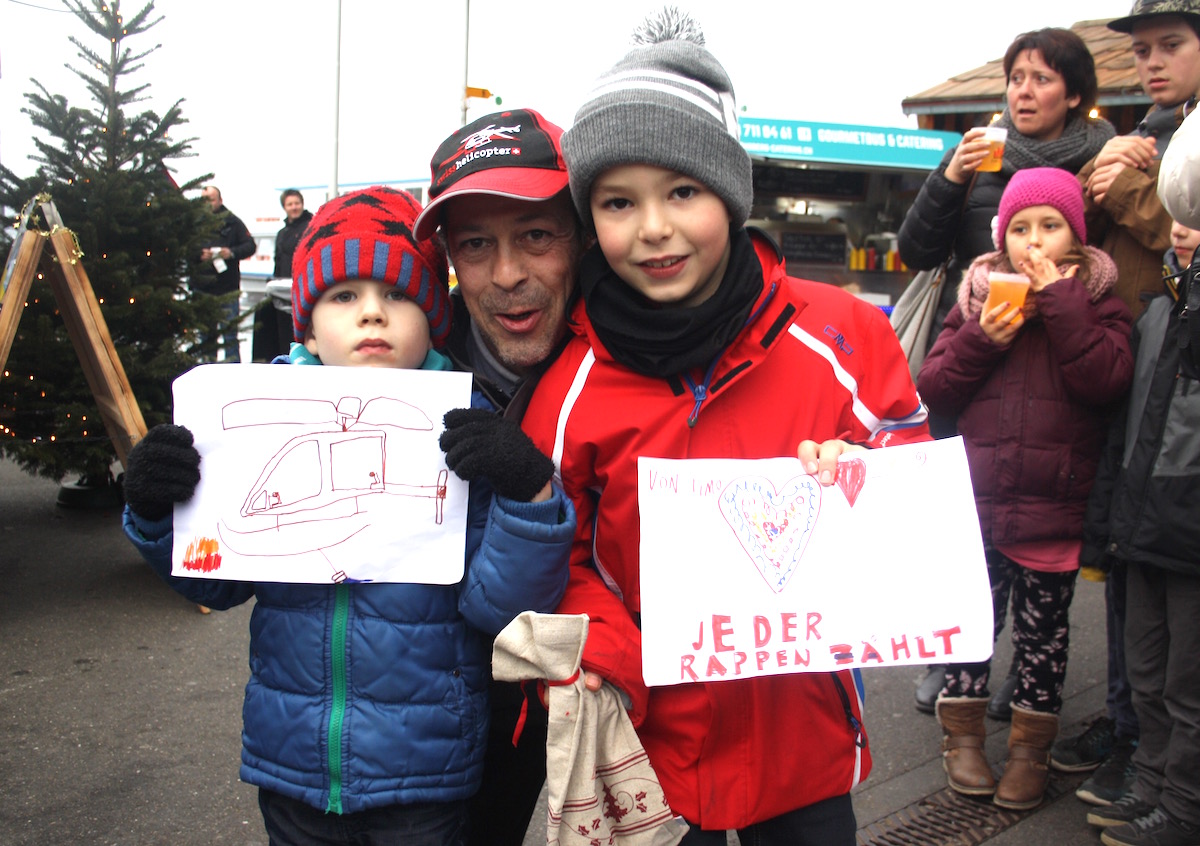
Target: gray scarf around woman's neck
point(1080, 141)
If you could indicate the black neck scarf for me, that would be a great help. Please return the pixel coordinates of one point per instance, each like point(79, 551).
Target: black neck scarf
point(656, 341)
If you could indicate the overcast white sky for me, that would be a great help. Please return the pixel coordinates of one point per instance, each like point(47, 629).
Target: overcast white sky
point(257, 76)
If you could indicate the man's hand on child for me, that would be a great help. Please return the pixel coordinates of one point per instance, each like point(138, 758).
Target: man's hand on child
point(481, 444)
point(821, 459)
point(162, 469)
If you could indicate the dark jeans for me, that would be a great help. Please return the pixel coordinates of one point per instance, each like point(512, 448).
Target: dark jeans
point(272, 332)
point(826, 823)
point(1118, 702)
point(1040, 635)
point(512, 775)
point(293, 823)
point(1162, 640)
point(225, 333)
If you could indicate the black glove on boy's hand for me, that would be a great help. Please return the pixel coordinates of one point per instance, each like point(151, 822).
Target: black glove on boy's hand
point(162, 469)
point(480, 443)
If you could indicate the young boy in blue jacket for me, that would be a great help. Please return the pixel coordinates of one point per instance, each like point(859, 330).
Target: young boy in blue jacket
point(366, 710)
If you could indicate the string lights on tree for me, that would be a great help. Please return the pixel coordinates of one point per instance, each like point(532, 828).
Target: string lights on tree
point(107, 167)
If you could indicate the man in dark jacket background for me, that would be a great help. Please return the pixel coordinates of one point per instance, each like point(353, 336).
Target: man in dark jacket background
point(273, 327)
point(219, 273)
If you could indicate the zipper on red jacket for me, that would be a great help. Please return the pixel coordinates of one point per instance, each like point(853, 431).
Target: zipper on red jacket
point(700, 392)
point(860, 736)
point(337, 654)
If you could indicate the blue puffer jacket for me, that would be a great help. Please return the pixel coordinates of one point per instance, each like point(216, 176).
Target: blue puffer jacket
point(366, 695)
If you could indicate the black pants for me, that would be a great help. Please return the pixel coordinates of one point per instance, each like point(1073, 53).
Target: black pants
point(1162, 640)
point(512, 776)
point(293, 823)
point(826, 823)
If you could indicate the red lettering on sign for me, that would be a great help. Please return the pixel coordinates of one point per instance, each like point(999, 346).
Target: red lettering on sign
point(685, 668)
point(813, 619)
point(721, 630)
point(762, 631)
point(922, 651)
point(945, 635)
point(869, 653)
point(715, 667)
point(841, 653)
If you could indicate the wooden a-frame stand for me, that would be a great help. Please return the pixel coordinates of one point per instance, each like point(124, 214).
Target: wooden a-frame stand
point(81, 314)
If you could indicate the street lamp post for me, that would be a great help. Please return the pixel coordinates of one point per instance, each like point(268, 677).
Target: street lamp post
point(466, 63)
point(337, 86)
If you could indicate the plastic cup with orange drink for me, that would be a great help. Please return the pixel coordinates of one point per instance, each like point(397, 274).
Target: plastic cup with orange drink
point(995, 136)
point(1008, 288)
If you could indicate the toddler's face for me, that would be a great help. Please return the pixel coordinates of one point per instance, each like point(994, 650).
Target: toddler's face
point(665, 234)
point(1184, 242)
point(364, 323)
point(1043, 227)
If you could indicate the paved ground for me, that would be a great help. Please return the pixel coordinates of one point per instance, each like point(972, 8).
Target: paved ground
point(120, 704)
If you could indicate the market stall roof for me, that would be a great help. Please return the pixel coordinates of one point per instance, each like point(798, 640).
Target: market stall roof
point(982, 89)
point(890, 147)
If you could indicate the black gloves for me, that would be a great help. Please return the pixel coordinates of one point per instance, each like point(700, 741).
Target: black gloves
point(162, 469)
point(479, 443)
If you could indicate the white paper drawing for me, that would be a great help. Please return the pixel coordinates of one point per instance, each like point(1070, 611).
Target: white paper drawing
point(320, 474)
point(751, 568)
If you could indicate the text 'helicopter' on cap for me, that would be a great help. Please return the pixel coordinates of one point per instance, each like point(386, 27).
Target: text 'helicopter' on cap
point(514, 153)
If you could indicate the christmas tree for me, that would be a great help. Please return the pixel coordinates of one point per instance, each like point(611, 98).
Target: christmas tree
point(106, 168)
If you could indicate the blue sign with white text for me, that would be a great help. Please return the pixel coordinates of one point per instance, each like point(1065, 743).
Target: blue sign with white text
point(834, 143)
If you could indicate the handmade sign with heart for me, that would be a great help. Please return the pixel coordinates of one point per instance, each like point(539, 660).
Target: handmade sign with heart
point(772, 525)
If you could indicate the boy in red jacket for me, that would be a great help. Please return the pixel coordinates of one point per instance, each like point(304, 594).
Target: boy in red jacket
point(692, 342)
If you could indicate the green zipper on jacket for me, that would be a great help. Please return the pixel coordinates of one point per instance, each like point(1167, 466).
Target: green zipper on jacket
point(337, 649)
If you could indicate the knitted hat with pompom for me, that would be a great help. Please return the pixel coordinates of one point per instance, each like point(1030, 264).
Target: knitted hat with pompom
point(667, 103)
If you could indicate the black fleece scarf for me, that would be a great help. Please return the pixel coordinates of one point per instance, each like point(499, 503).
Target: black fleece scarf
point(657, 341)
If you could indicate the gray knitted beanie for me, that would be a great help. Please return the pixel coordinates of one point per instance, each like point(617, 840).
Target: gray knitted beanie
point(667, 103)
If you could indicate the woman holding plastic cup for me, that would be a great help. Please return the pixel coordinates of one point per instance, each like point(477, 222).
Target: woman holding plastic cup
point(1031, 372)
point(1050, 88)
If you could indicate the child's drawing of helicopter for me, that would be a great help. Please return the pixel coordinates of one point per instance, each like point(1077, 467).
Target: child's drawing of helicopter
point(311, 494)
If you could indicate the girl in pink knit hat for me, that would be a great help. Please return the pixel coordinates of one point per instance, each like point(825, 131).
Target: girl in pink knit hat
point(1032, 383)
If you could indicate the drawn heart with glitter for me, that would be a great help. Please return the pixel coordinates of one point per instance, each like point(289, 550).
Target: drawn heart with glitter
point(773, 525)
point(850, 477)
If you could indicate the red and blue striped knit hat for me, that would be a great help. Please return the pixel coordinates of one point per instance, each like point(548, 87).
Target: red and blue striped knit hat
point(368, 234)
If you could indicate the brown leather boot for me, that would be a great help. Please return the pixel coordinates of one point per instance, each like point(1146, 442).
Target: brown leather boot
point(1026, 771)
point(963, 734)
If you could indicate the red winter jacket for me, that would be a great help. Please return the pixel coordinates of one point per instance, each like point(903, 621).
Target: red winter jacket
point(1034, 415)
point(814, 363)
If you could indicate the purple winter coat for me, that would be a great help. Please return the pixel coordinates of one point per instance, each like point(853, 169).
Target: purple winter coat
point(1033, 416)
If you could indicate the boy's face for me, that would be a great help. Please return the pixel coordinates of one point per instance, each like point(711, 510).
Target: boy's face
point(665, 234)
point(1166, 52)
point(364, 323)
point(1184, 242)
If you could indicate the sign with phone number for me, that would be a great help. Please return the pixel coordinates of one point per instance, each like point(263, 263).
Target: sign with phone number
point(832, 143)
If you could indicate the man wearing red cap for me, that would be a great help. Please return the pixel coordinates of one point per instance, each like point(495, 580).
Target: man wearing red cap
point(500, 199)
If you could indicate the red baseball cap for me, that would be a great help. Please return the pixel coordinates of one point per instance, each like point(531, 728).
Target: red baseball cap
point(515, 153)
